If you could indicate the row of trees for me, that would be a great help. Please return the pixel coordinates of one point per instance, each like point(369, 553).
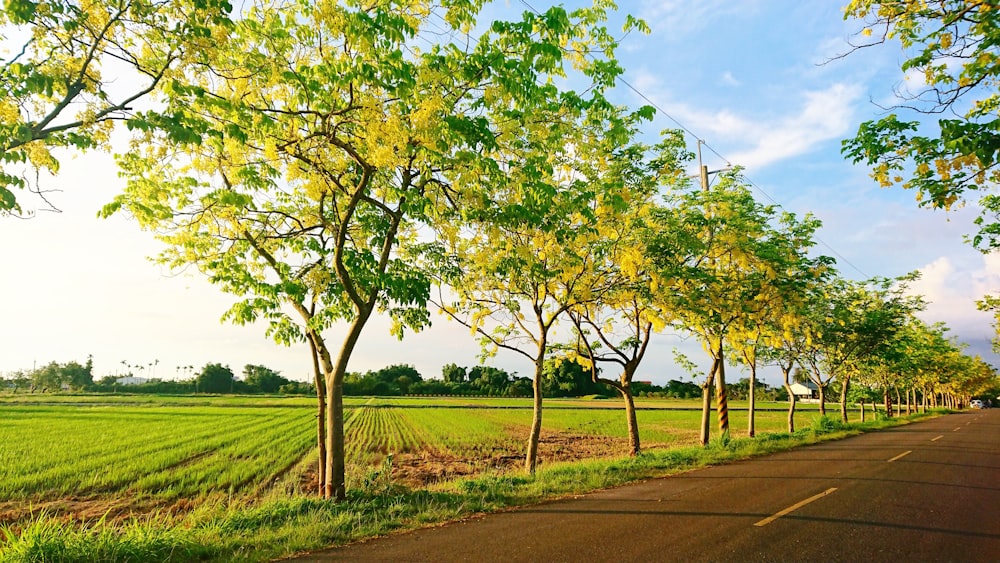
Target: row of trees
point(326, 162)
point(562, 379)
point(52, 377)
point(212, 378)
point(943, 138)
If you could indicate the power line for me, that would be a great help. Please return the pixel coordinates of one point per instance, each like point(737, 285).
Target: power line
point(680, 125)
point(711, 149)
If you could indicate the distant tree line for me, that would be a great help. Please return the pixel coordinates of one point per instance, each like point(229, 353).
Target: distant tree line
point(562, 379)
point(213, 378)
point(52, 377)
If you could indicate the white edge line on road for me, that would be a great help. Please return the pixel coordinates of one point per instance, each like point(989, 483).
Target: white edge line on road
point(794, 507)
point(957, 429)
point(938, 438)
point(901, 455)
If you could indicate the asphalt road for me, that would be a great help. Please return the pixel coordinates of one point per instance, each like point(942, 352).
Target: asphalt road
point(928, 491)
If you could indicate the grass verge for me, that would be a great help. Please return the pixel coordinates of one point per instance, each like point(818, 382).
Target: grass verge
point(280, 526)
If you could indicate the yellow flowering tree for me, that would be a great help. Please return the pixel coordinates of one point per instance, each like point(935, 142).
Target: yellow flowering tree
point(305, 165)
point(74, 69)
point(718, 257)
point(616, 313)
point(952, 47)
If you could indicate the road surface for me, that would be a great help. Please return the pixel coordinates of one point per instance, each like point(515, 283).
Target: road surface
point(928, 491)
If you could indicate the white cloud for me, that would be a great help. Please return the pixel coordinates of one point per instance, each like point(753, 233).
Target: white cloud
point(951, 290)
point(728, 79)
point(824, 115)
point(684, 18)
point(813, 117)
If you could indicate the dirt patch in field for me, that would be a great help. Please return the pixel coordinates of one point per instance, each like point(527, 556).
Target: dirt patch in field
point(426, 467)
point(429, 466)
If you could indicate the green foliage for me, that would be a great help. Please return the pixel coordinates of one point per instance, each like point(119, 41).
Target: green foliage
point(953, 46)
point(263, 379)
point(215, 378)
point(564, 378)
point(71, 375)
point(56, 91)
point(825, 424)
point(453, 373)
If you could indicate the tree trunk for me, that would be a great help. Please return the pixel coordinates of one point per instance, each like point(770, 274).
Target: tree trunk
point(887, 402)
point(862, 403)
point(633, 424)
point(786, 371)
point(706, 404)
point(844, 385)
point(822, 399)
point(722, 398)
point(320, 417)
point(791, 408)
point(336, 486)
point(899, 403)
point(753, 400)
point(531, 457)
point(706, 407)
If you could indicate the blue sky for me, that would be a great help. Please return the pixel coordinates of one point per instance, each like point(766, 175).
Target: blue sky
point(758, 81)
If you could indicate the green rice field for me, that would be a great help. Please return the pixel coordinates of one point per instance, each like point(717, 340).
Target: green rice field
point(157, 451)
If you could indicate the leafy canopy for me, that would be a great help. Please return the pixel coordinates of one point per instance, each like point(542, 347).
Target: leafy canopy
point(953, 46)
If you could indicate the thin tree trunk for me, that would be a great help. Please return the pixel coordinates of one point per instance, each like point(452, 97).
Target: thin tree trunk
point(791, 408)
point(320, 417)
point(844, 385)
point(753, 400)
point(887, 402)
point(531, 457)
point(786, 371)
point(862, 403)
point(722, 398)
point(633, 424)
point(822, 399)
point(899, 403)
point(706, 407)
point(706, 404)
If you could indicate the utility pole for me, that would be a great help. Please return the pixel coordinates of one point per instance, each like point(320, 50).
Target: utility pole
point(719, 367)
point(702, 169)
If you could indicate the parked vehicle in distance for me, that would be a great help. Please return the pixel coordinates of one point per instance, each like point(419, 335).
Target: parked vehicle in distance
point(976, 404)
